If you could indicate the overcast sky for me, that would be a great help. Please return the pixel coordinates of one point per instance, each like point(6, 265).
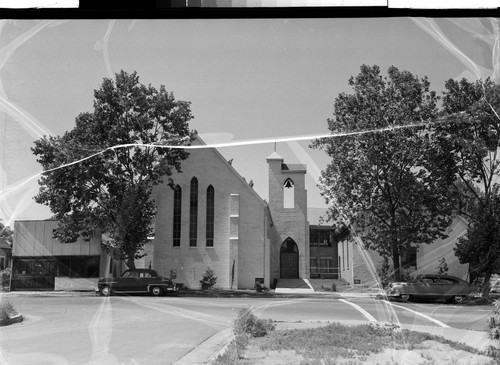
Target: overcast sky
point(246, 79)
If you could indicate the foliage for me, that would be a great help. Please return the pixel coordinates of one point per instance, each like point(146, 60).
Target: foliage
point(209, 278)
point(387, 276)
point(249, 323)
point(384, 180)
point(172, 275)
point(469, 139)
point(6, 234)
point(5, 277)
point(92, 187)
point(260, 287)
point(495, 321)
point(442, 268)
point(7, 310)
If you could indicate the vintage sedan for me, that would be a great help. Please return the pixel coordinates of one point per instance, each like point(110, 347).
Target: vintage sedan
point(447, 287)
point(136, 281)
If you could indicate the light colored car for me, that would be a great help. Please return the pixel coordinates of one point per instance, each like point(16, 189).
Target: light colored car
point(449, 288)
point(136, 281)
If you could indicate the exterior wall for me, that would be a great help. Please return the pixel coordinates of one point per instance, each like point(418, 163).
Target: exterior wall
point(428, 256)
point(239, 226)
point(362, 263)
point(289, 222)
point(34, 243)
point(35, 238)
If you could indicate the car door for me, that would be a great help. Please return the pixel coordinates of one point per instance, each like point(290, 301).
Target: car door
point(127, 282)
point(145, 279)
point(452, 286)
point(429, 288)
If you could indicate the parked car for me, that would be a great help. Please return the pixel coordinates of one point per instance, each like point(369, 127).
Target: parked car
point(447, 287)
point(136, 281)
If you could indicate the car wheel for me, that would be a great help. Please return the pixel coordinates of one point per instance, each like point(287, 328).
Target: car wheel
point(457, 299)
point(156, 291)
point(105, 291)
point(405, 297)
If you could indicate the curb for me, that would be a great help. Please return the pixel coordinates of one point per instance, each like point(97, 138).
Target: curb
point(208, 350)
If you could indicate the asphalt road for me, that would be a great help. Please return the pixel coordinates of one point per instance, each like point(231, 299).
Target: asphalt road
point(150, 330)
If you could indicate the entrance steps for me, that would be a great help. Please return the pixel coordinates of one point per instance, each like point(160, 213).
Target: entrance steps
point(294, 286)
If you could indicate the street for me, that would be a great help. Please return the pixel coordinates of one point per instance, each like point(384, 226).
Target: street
point(161, 330)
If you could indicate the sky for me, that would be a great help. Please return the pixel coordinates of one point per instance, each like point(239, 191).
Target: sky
point(247, 80)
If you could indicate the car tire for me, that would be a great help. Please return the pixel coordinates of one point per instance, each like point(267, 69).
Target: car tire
point(457, 299)
point(405, 297)
point(155, 291)
point(105, 291)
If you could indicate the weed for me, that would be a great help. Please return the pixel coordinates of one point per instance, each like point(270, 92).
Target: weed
point(249, 323)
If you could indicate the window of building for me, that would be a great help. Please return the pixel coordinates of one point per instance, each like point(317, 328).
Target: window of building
point(210, 215)
point(288, 194)
point(319, 237)
point(313, 263)
point(2, 262)
point(326, 265)
point(193, 213)
point(177, 216)
point(347, 253)
point(343, 256)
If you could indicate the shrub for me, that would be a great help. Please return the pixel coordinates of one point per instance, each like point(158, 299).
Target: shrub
point(172, 275)
point(7, 310)
point(248, 323)
point(209, 279)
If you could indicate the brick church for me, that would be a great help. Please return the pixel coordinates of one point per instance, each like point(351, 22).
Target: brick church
point(213, 218)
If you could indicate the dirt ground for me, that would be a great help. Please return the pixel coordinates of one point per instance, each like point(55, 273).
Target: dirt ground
point(430, 353)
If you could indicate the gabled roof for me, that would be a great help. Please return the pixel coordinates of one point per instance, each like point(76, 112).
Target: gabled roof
point(199, 141)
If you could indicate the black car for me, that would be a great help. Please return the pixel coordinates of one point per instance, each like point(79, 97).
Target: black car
point(136, 281)
point(450, 288)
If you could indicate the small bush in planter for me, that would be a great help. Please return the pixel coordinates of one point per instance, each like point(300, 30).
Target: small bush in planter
point(260, 287)
point(209, 279)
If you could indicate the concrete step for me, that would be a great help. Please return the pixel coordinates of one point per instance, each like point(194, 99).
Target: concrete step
point(290, 286)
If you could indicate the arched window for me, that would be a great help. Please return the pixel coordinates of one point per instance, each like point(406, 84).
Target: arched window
point(210, 215)
point(288, 194)
point(177, 216)
point(193, 213)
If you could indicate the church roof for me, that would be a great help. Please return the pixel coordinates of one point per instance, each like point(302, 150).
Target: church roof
point(275, 156)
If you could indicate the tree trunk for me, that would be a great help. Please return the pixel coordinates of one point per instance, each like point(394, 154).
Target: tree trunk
point(130, 262)
point(486, 285)
point(395, 262)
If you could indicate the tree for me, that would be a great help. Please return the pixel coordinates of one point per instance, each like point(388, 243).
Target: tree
point(110, 193)
point(470, 136)
point(6, 234)
point(383, 180)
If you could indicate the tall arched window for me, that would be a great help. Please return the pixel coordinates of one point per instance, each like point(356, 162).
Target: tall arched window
point(210, 215)
point(288, 194)
point(193, 213)
point(177, 216)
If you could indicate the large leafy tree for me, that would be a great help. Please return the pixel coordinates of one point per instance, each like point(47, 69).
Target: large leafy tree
point(470, 135)
point(383, 180)
point(110, 193)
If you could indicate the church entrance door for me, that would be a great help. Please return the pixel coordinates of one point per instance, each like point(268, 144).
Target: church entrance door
point(289, 260)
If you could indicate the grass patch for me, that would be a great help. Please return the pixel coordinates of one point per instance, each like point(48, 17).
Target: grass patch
point(7, 310)
point(325, 344)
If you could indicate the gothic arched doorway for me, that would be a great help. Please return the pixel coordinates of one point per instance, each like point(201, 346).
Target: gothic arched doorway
point(289, 260)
